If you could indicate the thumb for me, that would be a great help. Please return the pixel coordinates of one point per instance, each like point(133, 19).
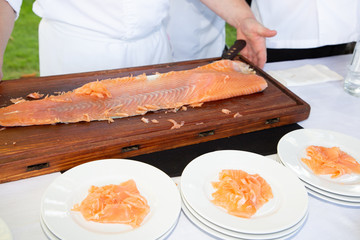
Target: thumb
point(265, 32)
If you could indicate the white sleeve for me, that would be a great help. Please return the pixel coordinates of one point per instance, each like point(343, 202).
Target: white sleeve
point(16, 5)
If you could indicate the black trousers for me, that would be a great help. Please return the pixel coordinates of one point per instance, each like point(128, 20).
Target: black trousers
point(276, 55)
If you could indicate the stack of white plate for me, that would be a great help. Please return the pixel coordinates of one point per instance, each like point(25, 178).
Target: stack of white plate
point(344, 190)
point(280, 218)
point(5, 233)
point(59, 222)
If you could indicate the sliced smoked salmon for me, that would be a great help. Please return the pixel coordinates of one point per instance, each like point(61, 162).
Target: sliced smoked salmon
point(121, 203)
point(332, 160)
point(129, 96)
point(240, 193)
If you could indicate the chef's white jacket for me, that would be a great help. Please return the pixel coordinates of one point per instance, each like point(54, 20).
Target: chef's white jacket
point(309, 23)
point(89, 35)
point(194, 30)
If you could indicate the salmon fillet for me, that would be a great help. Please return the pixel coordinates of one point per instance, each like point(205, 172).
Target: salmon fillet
point(121, 203)
point(240, 193)
point(130, 96)
point(333, 161)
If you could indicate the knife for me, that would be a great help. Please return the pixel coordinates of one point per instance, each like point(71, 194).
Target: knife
point(234, 49)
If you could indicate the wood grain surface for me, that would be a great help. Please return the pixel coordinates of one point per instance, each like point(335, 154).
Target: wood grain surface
point(36, 150)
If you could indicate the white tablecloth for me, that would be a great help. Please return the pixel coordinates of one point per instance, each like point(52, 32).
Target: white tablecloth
point(331, 109)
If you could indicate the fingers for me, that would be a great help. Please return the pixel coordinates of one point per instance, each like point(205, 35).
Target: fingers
point(255, 35)
point(265, 32)
point(261, 50)
point(256, 56)
point(261, 59)
point(250, 55)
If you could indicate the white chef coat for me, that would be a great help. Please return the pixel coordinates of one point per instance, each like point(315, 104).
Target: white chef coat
point(309, 23)
point(194, 30)
point(89, 35)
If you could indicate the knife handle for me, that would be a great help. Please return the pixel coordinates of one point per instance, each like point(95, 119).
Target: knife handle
point(234, 49)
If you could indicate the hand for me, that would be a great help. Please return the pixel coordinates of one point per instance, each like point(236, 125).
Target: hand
point(254, 34)
point(238, 14)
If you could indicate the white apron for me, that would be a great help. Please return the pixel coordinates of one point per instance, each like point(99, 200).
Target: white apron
point(194, 30)
point(88, 35)
point(309, 23)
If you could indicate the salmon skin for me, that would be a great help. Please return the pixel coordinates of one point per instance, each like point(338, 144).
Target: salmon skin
point(137, 95)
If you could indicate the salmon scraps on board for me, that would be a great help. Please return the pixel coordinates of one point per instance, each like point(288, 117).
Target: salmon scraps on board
point(121, 203)
point(240, 193)
point(137, 95)
point(332, 160)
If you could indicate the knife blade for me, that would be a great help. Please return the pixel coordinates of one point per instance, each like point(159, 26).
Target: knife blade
point(234, 49)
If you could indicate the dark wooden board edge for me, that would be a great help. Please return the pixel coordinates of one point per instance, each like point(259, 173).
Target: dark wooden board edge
point(280, 86)
point(263, 142)
point(60, 162)
point(28, 168)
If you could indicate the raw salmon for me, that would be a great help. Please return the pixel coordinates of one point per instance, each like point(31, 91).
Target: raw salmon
point(129, 96)
point(332, 160)
point(240, 193)
point(121, 203)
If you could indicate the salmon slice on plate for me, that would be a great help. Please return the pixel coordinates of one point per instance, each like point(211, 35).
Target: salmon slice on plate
point(330, 160)
point(240, 193)
point(112, 203)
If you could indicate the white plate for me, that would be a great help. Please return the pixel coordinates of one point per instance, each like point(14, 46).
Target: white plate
point(52, 236)
point(282, 234)
point(218, 234)
point(47, 231)
point(5, 233)
point(72, 187)
point(332, 195)
point(319, 194)
point(292, 147)
point(287, 208)
point(333, 200)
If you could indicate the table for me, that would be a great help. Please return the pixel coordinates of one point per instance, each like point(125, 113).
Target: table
point(331, 109)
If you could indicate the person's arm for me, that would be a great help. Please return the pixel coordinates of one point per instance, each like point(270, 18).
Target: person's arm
point(7, 19)
point(238, 14)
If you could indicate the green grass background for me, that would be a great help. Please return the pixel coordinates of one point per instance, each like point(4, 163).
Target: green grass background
point(22, 56)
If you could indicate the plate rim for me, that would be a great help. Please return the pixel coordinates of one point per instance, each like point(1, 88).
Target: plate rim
point(174, 212)
point(330, 199)
point(248, 236)
point(233, 222)
point(330, 194)
point(218, 234)
point(316, 181)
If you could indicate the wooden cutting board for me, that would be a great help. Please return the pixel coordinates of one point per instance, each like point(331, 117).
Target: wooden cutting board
point(36, 150)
